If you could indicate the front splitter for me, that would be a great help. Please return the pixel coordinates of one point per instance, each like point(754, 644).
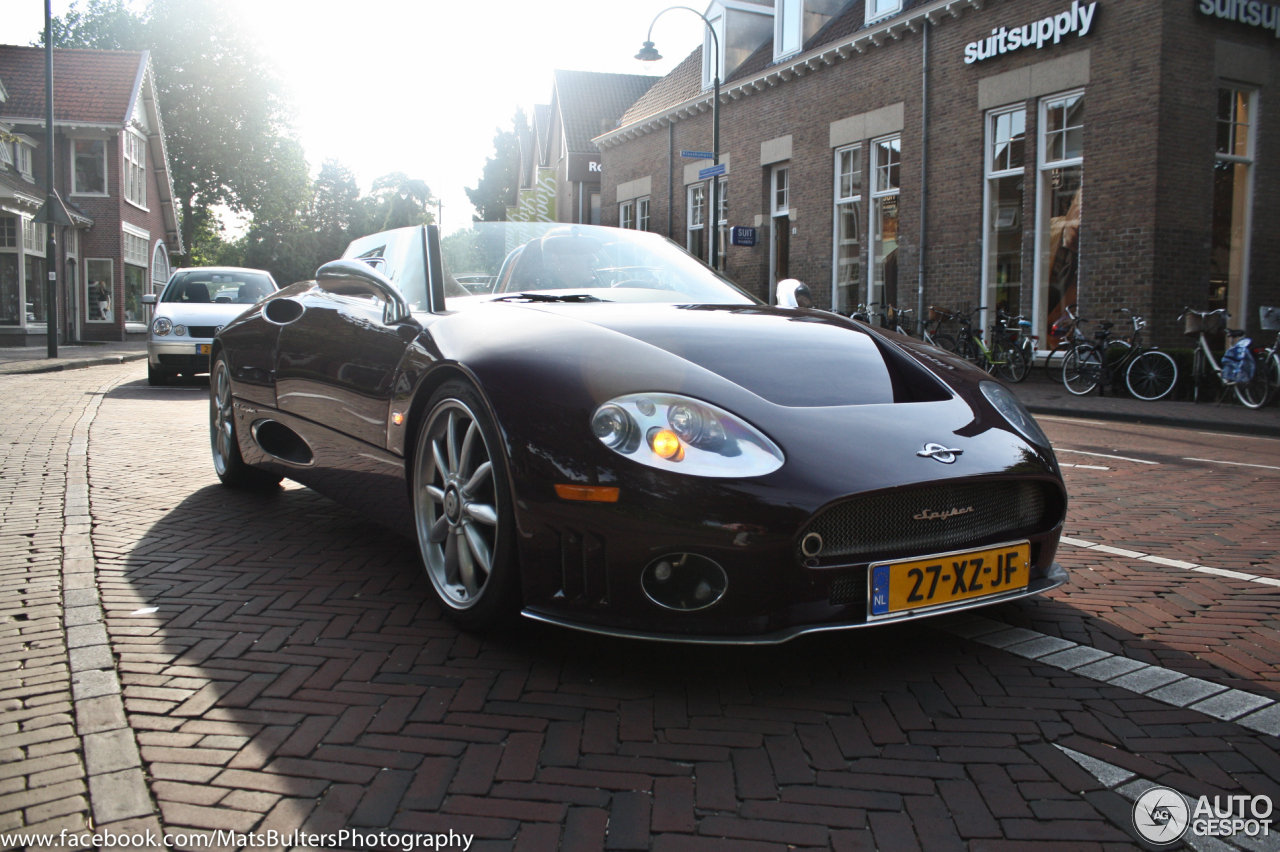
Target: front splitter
point(1056, 577)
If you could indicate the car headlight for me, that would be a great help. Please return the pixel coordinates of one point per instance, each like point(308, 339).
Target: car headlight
point(1012, 409)
point(686, 435)
point(179, 330)
point(162, 326)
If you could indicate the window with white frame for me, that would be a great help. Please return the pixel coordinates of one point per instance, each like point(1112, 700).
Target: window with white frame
point(780, 201)
point(72, 241)
point(627, 214)
point(135, 246)
point(89, 169)
point(1061, 177)
point(695, 219)
point(880, 9)
point(6, 154)
point(847, 274)
point(779, 224)
point(99, 286)
point(750, 25)
point(10, 278)
point(722, 221)
point(797, 21)
point(159, 267)
point(23, 155)
point(136, 261)
point(1232, 199)
point(135, 169)
point(33, 237)
point(886, 157)
point(1005, 163)
point(642, 214)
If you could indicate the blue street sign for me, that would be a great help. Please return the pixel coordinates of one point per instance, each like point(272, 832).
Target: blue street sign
point(741, 236)
point(711, 171)
point(698, 155)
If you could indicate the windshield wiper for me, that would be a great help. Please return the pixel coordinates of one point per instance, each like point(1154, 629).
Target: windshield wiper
point(545, 297)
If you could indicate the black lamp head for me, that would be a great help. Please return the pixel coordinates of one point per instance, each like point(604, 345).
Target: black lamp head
point(648, 53)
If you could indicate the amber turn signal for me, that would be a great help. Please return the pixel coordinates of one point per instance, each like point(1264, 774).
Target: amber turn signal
point(590, 493)
point(666, 444)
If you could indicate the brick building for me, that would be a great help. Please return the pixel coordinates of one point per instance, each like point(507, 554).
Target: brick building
point(1027, 153)
point(113, 174)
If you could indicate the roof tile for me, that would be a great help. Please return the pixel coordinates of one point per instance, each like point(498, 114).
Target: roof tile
point(88, 85)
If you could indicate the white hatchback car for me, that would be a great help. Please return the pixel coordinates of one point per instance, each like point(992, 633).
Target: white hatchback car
point(195, 305)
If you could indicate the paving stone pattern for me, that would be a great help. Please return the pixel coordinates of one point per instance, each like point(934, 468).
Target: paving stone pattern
point(294, 673)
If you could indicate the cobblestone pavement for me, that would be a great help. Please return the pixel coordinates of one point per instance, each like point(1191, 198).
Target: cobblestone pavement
point(282, 667)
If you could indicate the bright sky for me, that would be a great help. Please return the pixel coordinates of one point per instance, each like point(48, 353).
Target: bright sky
point(419, 86)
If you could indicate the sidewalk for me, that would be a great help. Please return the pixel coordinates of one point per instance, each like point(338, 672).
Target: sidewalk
point(33, 359)
point(1042, 396)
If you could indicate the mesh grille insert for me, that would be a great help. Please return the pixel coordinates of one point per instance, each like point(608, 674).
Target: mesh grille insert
point(885, 525)
point(202, 330)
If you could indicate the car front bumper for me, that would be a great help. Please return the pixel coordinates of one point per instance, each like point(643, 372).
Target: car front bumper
point(174, 356)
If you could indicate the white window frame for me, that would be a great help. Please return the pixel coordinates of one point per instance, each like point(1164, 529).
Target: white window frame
point(700, 191)
point(990, 174)
point(715, 16)
point(129, 252)
point(627, 214)
point(783, 209)
point(22, 153)
point(879, 10)
point(722, 219)
point(106, 175)
point(34, 237)
point(1241, 299)
point(134, 168)
point(839, 199)
point(1043, 166)
point(642, 213)
point(875, 193)
point(6, 154)
point(160, 250)
point(788, 12)
point(17, 231)
point(71, 240)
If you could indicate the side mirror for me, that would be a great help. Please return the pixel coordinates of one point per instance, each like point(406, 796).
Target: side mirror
point(148, 298)
point(793, 293)
point(362, 277)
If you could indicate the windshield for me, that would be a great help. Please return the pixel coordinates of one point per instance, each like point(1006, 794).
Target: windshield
point(576, 263)
point(225, 286)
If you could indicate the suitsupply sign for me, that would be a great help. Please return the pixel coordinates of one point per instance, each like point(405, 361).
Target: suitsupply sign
point(1251, 12)
point(1051, 30)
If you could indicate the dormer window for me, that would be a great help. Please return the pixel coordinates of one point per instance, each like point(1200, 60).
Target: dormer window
point(6, 154)
point(741, 28)
point(880, 9)
point(797, 21)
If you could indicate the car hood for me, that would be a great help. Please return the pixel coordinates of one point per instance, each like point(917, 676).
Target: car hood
point(792, 358)
point(214, 314)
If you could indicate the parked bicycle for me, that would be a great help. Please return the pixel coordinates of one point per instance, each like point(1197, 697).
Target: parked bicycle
point(1267, 360)
point(931, 330)
point(1207, 372)
point(1002, 357)
point(1149, 373)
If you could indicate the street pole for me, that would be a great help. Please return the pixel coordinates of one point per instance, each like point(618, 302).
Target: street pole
point(51, 242)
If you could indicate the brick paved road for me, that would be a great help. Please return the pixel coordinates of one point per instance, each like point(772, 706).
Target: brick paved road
point(294, 674)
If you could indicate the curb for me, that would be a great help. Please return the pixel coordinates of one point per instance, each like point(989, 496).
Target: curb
point(19, 368)
point(1160, 420)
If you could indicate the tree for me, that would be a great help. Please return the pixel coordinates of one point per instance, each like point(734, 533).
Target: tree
point(402, 201)
point(337, 213)
point(500, 180)
point(224, 107)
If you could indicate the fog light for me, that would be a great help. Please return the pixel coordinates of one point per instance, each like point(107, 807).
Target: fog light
point(684, 581)
point(662, 573)
point(179, 330)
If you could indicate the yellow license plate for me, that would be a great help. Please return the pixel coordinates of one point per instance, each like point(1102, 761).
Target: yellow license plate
point(947, 578)
point(204, 348)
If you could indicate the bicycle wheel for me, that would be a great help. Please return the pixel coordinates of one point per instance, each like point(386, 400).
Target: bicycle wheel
point(968, 350)
point(1012, 364)
point(1054, 361)
point(944, 341)
point(1271, 367)
point(1151, 375)
point(1199, 379)
point(1257, 391)
point(1082, 369)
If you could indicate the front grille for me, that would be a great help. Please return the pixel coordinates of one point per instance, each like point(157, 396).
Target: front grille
point(849, 589)
point(202, 330)
point(886, 525)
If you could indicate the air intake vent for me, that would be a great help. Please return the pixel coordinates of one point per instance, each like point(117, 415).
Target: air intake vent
point(929, 520)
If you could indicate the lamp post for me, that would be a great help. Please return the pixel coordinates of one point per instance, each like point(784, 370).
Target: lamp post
point(51, 244)
point(649, 54)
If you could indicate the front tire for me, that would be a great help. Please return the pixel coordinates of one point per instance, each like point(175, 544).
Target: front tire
point(462, 511)
point(1151, 375)
point(1081, 370)
point(227, 461)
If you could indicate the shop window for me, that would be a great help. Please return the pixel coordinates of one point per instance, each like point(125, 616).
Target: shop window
point(1005, 190)
point(100, 289)
point(722, 221)
point(1061, 178)
point(135, 169)
point(36, 278)
point(847, 274)
point(695, 220)
point(10, 280)
point(886, 157)
point(135, 280)
point(1232, 200)
point(89, 172)
point(880, 9)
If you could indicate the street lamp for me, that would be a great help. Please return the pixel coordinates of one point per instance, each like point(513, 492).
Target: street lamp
point(648, 53)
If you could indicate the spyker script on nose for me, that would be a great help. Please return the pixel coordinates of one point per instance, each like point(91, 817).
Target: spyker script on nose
point(930, 515)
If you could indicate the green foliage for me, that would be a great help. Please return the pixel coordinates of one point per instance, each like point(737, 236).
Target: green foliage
point(500, 180)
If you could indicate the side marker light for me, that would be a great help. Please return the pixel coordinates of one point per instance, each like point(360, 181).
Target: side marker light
point(589, 493)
